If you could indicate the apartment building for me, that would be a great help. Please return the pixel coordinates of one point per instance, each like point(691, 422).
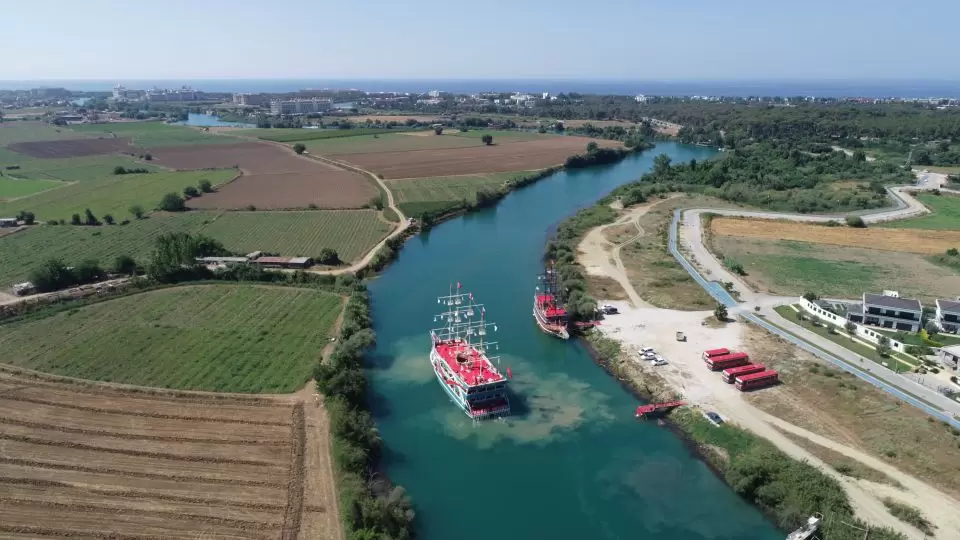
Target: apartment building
point(888, 310)
point(300, 106)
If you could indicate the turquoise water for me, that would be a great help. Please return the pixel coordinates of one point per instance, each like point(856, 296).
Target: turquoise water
point(572, 462)
point(209, 120)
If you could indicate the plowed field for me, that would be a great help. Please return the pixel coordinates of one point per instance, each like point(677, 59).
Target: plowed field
point(927, 242)
point(72, 148)
point(274, 177)
point(100, 461)
point(512, 156)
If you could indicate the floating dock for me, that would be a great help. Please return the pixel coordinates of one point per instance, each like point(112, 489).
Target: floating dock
point(653, 409)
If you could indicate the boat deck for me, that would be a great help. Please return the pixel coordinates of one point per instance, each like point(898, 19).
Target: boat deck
point(546, 303)
point(468, 364)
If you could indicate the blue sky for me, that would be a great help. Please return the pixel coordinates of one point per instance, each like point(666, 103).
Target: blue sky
point(455, 39)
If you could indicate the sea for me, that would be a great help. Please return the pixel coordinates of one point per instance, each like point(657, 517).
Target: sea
point(908, 88)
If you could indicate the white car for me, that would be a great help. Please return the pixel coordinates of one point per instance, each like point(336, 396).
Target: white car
point(647, 350)
point(658, 360)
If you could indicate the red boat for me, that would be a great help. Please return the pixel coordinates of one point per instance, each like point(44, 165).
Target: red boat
point(548, 308)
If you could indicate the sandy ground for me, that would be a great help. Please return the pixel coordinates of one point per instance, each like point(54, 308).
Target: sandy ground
point(652, 327)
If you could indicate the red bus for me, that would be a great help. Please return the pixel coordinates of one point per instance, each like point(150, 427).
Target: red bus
point(727, 361)
point(729, 375)
point(715, 352)
point(754, 381)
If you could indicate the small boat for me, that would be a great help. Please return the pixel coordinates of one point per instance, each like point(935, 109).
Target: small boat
point(548, 310)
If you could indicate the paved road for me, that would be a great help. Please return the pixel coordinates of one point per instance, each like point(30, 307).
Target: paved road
point(686, 245)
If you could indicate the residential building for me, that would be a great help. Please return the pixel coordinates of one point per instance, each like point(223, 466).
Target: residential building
point(640, 98)
point(283, 262)
point(887, 310)
point(8, 222)
point(948, 315)
point(300, 106)
point(251, 100)
point(433, 93)
point(950, 357)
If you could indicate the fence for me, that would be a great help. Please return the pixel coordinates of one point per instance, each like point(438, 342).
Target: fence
point(863, 332)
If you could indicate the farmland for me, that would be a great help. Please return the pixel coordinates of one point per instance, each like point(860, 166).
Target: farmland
point(350, 232)
point(945, 215)
point(72, 148)
point(922, 241)
point(299, 134)
point(417, 140)
point(12, 188)
point(224, 338)
point(447, 188)
point(152, 134)
point(89, 460)
point(793, 268)
point(14, 132)
point(274, 177)
point(76, 169)
point(112, 194)
point(515, 156)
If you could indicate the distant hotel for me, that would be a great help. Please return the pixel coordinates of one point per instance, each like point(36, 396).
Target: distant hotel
point(251, 100)
point(300, 106)
point(184, 93)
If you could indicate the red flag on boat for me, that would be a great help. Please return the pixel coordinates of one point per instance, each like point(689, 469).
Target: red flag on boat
point(509, 373)
point(471, 296)
point(458, 285)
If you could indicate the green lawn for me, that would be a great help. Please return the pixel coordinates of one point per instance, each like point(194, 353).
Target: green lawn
point(77, 169)
point(915, 339)
point(227, 338)
point(299, 134)
point(113, 194)
point(945, 215)
point(793, 273)
point(151, 134)
point(11, 188)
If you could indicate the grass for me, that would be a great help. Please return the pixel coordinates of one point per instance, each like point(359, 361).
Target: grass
point(11, 188)
point(350, 232)
point(792, 268)
point(500, 136)
point(841, 463)
point(448, 188)
point(844, 340)
point(299, 134)
point(414, 209)
point(909, 514)
point(150, 134)
point(113, 194)
point(945, 214)
point(225, 338)
point(78, 169)
point(14, 132)
point(403, 142)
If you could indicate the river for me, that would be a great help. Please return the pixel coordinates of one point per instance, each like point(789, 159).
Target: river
point(572, 462)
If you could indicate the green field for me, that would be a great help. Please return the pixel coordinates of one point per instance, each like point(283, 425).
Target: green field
point(945, 215)
point(402, 142)
point(227, 338)
point(448, 188)
point(77, 169)
point(500, 136)
point(153, 134)
point(11, 188)
point(299, 134)
point(113, 194)
point(350, 232)
point(14, 132)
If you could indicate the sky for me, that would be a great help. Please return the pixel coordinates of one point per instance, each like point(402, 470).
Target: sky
point(654, 40)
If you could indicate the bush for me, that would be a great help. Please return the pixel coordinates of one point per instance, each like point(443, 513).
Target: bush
point(136, 211)
point(148, 156)
point(171, 202)
point(250, 208)
point(953, 252)
point(855, 221)
point(205, 186)
point(487, 139)
point(190, 192)
point(108, 219)
point(26, 217)
point(329, 257)
point(299, 148)
point(75, 220)
point(90, 219)
point(734, 266)
point(124, 264)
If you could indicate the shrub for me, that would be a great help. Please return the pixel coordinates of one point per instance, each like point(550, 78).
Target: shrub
point(136, 211)
point(250, 208)
point(90, 219)
point(108, 219)
point(299, 148)
point(53, 222)
point(953, 252)
point(124, 264)
point(75, 220)
point(855, 221)
point(190, 192)
point(205, 186)
point(487, 139)
point(328, 256)
point(26, 217)
point(148, 156)
point(171, 202)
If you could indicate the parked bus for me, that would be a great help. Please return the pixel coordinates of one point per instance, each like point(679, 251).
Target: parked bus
point(754, 381)
point(715, 352)
point(725, 361)
point(730, 375)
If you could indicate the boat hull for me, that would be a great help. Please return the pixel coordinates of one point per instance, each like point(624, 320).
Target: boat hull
point(457, 395)
point(554, 329)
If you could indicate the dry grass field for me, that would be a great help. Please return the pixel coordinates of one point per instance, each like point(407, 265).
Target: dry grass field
point(97, 461)
point(274, 177)
point(922, 241)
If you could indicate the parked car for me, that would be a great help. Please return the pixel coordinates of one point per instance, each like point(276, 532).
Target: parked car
point(714, 418)
point(607, 309)
point(658, 360)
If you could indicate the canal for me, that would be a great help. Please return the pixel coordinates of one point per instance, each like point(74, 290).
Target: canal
point(572, 462)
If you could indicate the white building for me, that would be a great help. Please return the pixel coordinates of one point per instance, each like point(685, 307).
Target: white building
point(300, 106)
point(434, 93)
point(948, 315)
point(640, 98)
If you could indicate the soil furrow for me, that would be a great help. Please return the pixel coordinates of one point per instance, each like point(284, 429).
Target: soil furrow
point(294, 509)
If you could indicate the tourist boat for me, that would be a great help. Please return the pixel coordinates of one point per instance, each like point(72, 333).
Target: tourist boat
point(548, 308)
point(460, 361)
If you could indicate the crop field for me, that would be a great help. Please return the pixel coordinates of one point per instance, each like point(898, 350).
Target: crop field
point(113, 194)
point(223, 338)
point(389, 142)
point(922, 241)
point(15, 132)
point(150, 134)
point(299, 134)
point(72, 148)
point(76, 169)
point(447, 188)
point(274, 178)
point(96, 461)
point(350, 232)
point(12, 188)
point(793, 268)
point(945, 214)
point(515, 156)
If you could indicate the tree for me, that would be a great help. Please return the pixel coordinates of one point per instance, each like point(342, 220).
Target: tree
point(124, 264)
point(119, 170)
point(953, 252)
point(205, 186)
point(487, 139)
point(438, 130)
point(171, 202)
point(850, 327)
point(859, 156)
point(883, 346)
point(299, 148)
point(148, 156)
point(90, 218)
point(810, 296)
point(108, 219)
point(75, 220)
point(592, 147)
point(855, 221)
point(720, 313)
point(661, 164)
point(191, 192)
point(88, 271)
point(52, 275)
point(136, 211)
point(26, 217)
point(329, 257)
